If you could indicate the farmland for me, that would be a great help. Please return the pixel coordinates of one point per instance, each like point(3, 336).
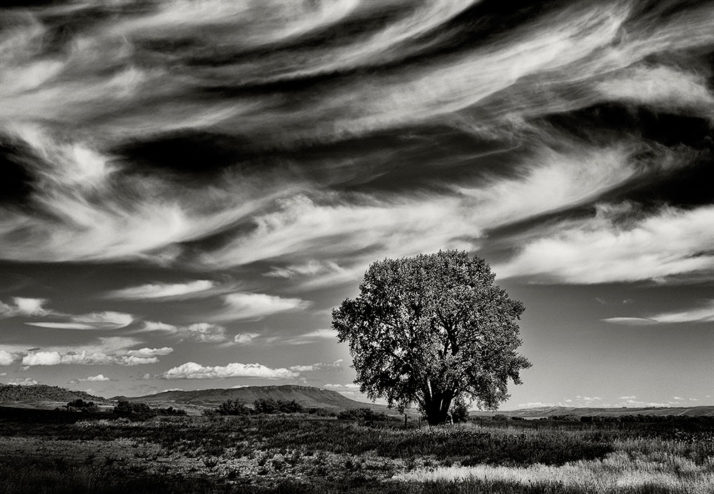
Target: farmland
point(48, 451)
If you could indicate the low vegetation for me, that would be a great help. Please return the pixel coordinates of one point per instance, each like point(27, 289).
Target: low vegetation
point(358, 452)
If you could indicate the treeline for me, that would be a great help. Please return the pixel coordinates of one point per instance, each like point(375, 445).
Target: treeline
point(123, 409)
point(270, 406)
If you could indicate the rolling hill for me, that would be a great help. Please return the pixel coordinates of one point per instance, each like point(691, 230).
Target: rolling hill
point(307, 396)
point(39, 394)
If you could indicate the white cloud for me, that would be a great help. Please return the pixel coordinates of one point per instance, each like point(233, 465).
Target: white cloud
point(97, 378)
point(608, 248)
point(150, 352)
point(317, 366)
point(349, 386)
point(697, 315)
point(192, 370)
point(42, 358)
point(245, 338)
point(27, 381)
point(109, 351)
point(6, 358)
point(189, 289)
point(206, 332)
point(24, 306)
point(241, 306)
point(343, 234)
point(628, 397)
point(312, 336)
point(309, 268)
point(660, 86)
point(96, 214)
point(700, 314)
point(631, 321)
point(107, 320)
point(30, 306)
point(201, 331)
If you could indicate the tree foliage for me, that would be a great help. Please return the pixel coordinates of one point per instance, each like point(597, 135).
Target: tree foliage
point(432, 329)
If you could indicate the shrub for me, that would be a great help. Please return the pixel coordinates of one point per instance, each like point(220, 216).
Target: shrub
point(134, 411)
point(263, 405)
point(231, 407)
point(277, 406)
point(365, 415)
point(81, 405)
point(459, 411)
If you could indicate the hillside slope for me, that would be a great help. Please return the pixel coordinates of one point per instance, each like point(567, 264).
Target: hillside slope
point(41, 393)
point(307, 396)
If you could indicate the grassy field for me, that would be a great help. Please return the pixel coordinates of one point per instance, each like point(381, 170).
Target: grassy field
point(45, 453)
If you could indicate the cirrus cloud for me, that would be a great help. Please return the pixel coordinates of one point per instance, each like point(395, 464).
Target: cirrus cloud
point(152, 291)
point(612, 247)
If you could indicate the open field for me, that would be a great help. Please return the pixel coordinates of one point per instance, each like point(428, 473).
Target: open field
point(54, 452)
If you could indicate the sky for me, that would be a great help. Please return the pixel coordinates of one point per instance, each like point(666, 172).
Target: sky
point(187, 188)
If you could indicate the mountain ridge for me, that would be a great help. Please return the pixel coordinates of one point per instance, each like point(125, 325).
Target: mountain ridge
point(37, 393)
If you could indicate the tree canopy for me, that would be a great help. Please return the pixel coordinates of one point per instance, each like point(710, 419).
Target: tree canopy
point(432, 330)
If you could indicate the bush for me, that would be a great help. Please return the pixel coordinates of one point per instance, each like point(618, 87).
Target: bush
point(134, 411)
point(459, 411)
point(231, 407)
point(81, 405)
point(365, 415)
point(265, 405)
point(277, 406)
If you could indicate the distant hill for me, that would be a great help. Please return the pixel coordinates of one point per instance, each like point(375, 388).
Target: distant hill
point(307, 396)
point(534, 413)
point(41, 393)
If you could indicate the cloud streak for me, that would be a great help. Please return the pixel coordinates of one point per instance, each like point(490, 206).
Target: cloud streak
point(701, 314)
point(169, 291)
point(610, 248)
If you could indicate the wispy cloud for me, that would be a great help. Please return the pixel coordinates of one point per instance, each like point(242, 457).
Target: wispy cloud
point(192, 370)
point(631, 321)
point(312, 336)
point(107, 320)
point(190, 289)
point(245, 306)
point(661, 86)
point(702, 314)
point(201, 331)
point(612, 247)
point(343, 234)
point(317, 366)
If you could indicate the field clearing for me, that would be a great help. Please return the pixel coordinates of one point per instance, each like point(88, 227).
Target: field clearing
point(301, 453)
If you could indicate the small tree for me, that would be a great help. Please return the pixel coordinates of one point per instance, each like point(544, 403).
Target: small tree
point(431, 329)
point(265, 405)
point(230, 407)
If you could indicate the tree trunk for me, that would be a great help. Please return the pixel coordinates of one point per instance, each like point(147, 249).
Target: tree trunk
point(437, 409)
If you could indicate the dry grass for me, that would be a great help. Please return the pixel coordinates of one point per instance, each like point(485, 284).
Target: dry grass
point(618, 472)
point(304, 454)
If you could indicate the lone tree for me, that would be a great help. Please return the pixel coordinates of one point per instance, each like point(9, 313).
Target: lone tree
point(432, 330)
